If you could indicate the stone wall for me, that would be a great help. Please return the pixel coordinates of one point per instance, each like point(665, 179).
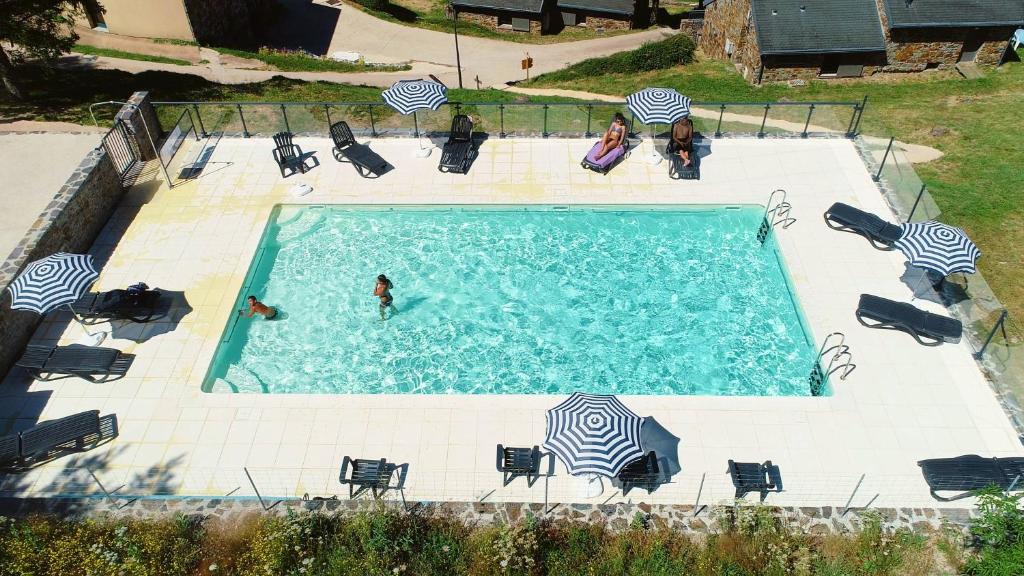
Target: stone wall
point(595, 22)
point(782, 68)
point(490, 20)
point(140, 119)
point(681, 517)
point(728, 20)
point(70, 223)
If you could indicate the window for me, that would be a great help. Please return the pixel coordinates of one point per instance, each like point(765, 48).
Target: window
point(840, 66)
point(521, 24)
point(505, 21)
point(569, 18)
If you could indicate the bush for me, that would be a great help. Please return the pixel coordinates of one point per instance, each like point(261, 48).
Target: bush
point(673, 51)
point(381, 5)
point(998, 536)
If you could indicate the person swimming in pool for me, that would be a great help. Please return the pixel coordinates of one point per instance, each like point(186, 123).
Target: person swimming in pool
point(257, 307)
point(383, 291)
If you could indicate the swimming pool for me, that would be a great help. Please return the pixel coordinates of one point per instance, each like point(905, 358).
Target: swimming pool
point(673, 300)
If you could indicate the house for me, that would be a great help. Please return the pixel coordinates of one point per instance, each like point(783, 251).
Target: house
point(552, 16)
point(773, 40)
point(232, 23)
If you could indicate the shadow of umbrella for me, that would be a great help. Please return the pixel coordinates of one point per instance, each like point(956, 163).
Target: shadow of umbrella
point(920, 283)
point(654, 437)
point(170, 309)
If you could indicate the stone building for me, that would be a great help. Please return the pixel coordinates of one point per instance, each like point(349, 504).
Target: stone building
point(230, 23)
point(773, 40)
point(552, 16)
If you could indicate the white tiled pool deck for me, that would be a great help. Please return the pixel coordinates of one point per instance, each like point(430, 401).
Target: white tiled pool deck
point(902, 403)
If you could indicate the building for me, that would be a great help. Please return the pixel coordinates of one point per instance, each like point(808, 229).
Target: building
point(773, 40)
point(232, 23)
point(552, 16)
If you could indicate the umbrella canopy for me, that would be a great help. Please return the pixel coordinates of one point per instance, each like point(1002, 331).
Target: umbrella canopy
point(594, 434)
point(658, 105)
point(52, 281)
point(408, 96)
point(937, 246)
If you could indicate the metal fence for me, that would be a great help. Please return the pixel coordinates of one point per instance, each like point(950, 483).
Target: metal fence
point(527, 119)
point(996, 336)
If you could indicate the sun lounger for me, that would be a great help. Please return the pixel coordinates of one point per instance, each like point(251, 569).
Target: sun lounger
point(458, 152)
point(69, 434)
point(92, 363)
point(9, 452)
point(373, 475)
point(641, 473)
point(117, 305)
point(367, 163)
point(879, 232)
point(751, 477)
point(967, 474)
point(290, 157)
point(609, 160)
point(927, 328)
point(676, 169)
point(514, 462)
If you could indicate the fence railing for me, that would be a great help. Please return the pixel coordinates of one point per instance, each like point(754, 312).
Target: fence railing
point(996, 336)
point(527, 119)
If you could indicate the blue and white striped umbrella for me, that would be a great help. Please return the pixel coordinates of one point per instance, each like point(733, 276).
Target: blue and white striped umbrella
point(408, 96)
point(594, 434)
point(937, 246)
point(52, 281)
point(658, 105)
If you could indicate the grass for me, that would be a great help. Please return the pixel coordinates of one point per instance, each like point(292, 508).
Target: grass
point(97, 51)
point(387, 543)
point(412, 13)
point(287, 61)
point(978, 184)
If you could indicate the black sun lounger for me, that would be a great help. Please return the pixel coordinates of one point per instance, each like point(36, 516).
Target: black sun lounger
point(641, 473)
point(967, 474)
point(879, 232)
point(927, 328)
point(92, 363)
point(457, 153)
point(290, 157)
point(367, 163)
point(373, 475)
point(751, 477)
point(117, 305)
point(515, 462)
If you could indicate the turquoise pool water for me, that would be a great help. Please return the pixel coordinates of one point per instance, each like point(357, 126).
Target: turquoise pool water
point(518, 301)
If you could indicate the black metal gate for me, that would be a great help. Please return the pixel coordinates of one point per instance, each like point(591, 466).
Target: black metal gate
point(122, 148)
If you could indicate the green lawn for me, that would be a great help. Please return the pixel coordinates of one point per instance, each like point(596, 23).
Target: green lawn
point(978, 184)
point(97, 51)
point(302, 62)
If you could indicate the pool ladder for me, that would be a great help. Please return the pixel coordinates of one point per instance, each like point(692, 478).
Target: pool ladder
point(776, 212)
point(841, 360)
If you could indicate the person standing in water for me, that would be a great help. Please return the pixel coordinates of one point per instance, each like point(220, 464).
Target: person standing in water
point(383, 291)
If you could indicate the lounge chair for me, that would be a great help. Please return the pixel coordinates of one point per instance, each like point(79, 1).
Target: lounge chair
point(879, 232)
point(458, 152)
point(752, 477)
point(290, 157)
point(676, 169)
point(927, 328)
point(117, 305)
point(967, 474)
point(641, 473)
point(373, 475)
point(367, 163)
point(515, 462)
point(93, 363)
point(609, 160)
point(72, 433)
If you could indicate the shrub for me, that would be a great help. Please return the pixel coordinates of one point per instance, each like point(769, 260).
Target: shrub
point(381, 5)
point(998, 536)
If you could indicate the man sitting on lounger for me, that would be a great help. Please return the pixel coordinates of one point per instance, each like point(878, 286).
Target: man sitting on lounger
point(682, 139)
point(614, 137)
point(257, 307)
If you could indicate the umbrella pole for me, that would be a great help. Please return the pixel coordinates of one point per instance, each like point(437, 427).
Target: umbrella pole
point(655, 158)
point(95, 338)
point(422, 152)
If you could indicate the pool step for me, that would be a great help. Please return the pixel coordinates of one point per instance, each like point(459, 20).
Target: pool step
point(240, 380)
point(306, 223)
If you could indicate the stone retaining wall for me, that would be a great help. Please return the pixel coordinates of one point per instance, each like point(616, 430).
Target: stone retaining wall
point(814, 520)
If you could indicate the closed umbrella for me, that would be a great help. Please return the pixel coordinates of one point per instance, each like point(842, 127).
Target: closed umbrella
point(940, 247)
point(52, 282)
point(658, 106)
point(408, 96)
point(593, 434)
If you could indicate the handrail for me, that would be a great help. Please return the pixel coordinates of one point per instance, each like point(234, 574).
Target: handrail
point(459, 103)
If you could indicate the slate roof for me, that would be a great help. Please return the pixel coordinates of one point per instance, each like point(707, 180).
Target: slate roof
point(945, 13)
point(817, 26)
point(624, 7)
point(532, 6)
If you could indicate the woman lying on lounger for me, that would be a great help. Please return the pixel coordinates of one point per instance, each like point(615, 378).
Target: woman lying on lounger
point(614, 137)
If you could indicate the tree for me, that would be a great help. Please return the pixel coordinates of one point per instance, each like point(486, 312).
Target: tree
point(33, 29)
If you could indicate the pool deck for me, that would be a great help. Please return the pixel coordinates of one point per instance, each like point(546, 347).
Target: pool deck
point(903, 402)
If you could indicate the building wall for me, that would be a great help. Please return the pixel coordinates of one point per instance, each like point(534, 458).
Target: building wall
point(808, 66)
point(593, 21)
point(730, 20)
point(229, 23)
point(145, 18)
point(489, 19)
